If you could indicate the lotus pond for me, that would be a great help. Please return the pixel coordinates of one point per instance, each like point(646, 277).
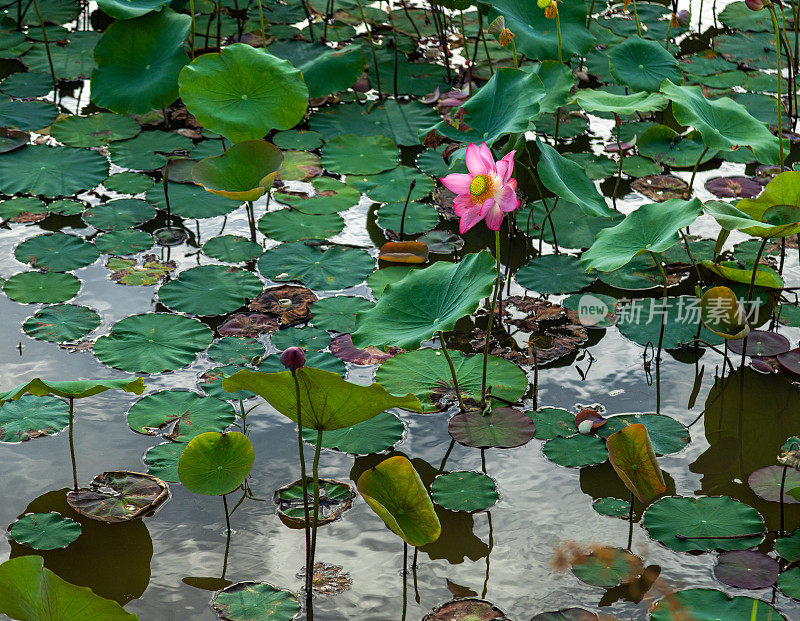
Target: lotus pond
point(478, 310)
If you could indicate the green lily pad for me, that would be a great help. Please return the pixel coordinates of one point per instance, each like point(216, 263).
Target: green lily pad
point(593, 100)
point(393, 185)
point(210, 290)
point(45, 531)
point(162, 461)
point(152, 343)
point(576, 451)
point(76, 389)
point(179, 415)
point(119, 215)
point(641, 320)
point(710, 604)
point(298, 139)
point(32, 417)
point(308, 338)
point(128, 183)
point(359, 155)
point(62, 322)
point(574, 228)
point(51, 171)
point(567, 180)
point(315, 359)
point(148, 150)
point(419, 217)
point(242, 92)
point(43, 288)
point(553, 273)
point(425, 302)
point(96, 130)
point(607, 567)
point(15, 207)
point(124, 243)
point(244, 172)
point(767, 482)
point(72, 61)
point(552, 423)
point(789, 583)
point(667, 434)
point(337, 267)
point(703, 517)
point(290, 225)
point(119, 496)
point(501, 428)
point(66, 207)
point(331, 196)
point(338, 313)
point(613, 507)
point(57, 252)
point(210, 382)
point(789, 547)
point(594, 310)
point(214, 464)
point(138, 62)
point(191, 201)
point(643, 65)
point(232, 248)
point(235, 350)
point(441, 242)
point(27, 115)
point(464, 491)
point(27, 84)
point(126, 272)
point(255, 600)
point(375, 435)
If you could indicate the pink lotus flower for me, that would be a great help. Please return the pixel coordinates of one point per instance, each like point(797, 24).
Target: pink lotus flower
point(487, 192)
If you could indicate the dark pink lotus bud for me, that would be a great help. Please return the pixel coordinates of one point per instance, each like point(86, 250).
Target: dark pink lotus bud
point(293, 358)
point(683, 18)
point(754, 5)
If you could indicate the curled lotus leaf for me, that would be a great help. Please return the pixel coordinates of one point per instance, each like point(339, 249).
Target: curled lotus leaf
point(342, 347)
point(466, 609)
point(244, 172)
point(335, 497)
point(414, 252)
point(289, 303)
point(723, 314)
point(120, 496)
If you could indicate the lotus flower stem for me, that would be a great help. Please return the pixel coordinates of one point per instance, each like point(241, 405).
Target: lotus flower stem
point(328, 14)
point(227, 514)
point(548, 218)
point(777, 30)
point(630, 523)
point(446, 455)
point(263, 31)
point(405, 207)
point(219, 25)
point(618, 123)
point(664, 284)
point(72, 444)
point(408, 16)
point(783, 486)
point(47, 50)
point(485, 45)
point(405, 580)
point(755, 270)
point(372, 47)
point(315, 522)
point(694, 171)
point(308, 17)
point(589, 16)
point(558, 30)
point(251, 219)
point(491, 317)
point(691, 258)
point(191, 39)
point(639, 25)
point(452, 372)
point(304, 483)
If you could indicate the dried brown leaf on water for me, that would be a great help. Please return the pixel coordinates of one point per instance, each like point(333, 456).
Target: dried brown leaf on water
point(291, 304)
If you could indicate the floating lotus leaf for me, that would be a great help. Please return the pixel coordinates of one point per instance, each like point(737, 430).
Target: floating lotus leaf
point(634, 460)
point(465, 609)
point(162, 461)
point(120, 496)
point(126, 272)
point(28, 590)
point(148, 151)
point(248, 324)
point(502, 428)
point(566, 614)
point(425, 373)
point(746, 569)
point(338, 313)
point(210, 382)
point(44, 531)
point(242, 92)
point(733, 187)
point(152, 343)
point(44, 288)
point(789, 547)
point(642, 322)
point(290, 225)
point(11, 139)
point(232, 248)
point(235, 350)
point(299, 166)
point(688, 524)
point(327, 401)
point(121, 214)
point(51, 171)
point(710, 604)
point(128, 183)
point(63, 322)
point(58, 252)
point(666, 434)
point(574, 228)
point(394, 185)
point(419, 217)
point(337, 267)
point(594, 310)
point(789, 583)
point(32, 417)
point(643, 65)
point(613, 507)
point(27, 115)
point(767, 483)
point(179, 415)
point(607, 567)
point(568, 181)
point(576, 451)
point(23, 209)
point(72, 61)
point(27, 84)
point(359, 155)
point(255, 600)
point(441, 242)
point(123, 243)
point(371, 436)
point(760, 343)
point(289, 303)
point(554, 273)
point(244, 172)
point(308, 338)
point(427, 301)
point(335, 498)
point(553, 422)
point(315, 359)
point(395, 492)
point(66, 207)
point(214, 464)
point(96, 130)
point(297, 139)
point(191, 201)
point(210, 290)
point(464, 491)
point(331, 196)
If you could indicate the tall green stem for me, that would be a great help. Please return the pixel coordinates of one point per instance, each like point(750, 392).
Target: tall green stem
point(636, 17)
point(558, 30)
point(776, 28)
point(315, 474)
point(372, 47)
point(263, 31)
point(456, 387)
point(191, 39)
point(621, 159)
point(46, 48)
point(694, 171)
point(664, 284)
point(755, 271)
point(72, 444)
point(303, 478)
point(491, 317)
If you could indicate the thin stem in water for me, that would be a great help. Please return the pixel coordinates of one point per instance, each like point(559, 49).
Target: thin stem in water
point(491, 318)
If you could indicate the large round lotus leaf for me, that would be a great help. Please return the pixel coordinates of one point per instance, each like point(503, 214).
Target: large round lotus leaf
point(338, 313)
point(119, 496)
point(314, 359)
point(242, 92)
point(210, 382)
point(123, 243)
point(290, 225)
point(191, 201)
point(119, 215)
point(152, 343)
point(126, 9)
point(27, 84)
point(42, 288)
point(51, 171)
point(372, 436)
point(63, 322)
point(641, 321)
point(337, 267)
point(712, 605)
point(148, 150)
point(688, 524)
point(216, 463)
point(162, 461)
point(232, 248)
point(425, 302)
point(567, 180)
point(643, 65)
point(331, 196)
point(297, 139)
point(13, 44)
point(502, 428)
point(53, 12)
point(425, 372)
point(399, 121)
point(419, 217)
point(138, 61)
point(789, 583)
point(379, 279)
point(554, 273)
point(30, 591)
point(607, 567)
point(359, 155)
point(464, 491)
point(789, 547)
point(128, 183)
point(746, 569)
point(613, 507)
point(32, 417)
point(667, 434)
point(25, 206)
point(576, 451)
point(393, 185)
point(308, 338)
point(594, 310)
point(553, 422)
point(95, 130)
point(244, 172)
point(574, 229)
point(766, 483)
point(394, 490)
point(72, 61)
point(57, 252)
point(45, 531)
point(244, 601)
point(27, 115)
point(210, 290)
point(179, 415)
point(235, 350)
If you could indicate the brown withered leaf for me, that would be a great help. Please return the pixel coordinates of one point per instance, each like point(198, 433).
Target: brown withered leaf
point(246, 324)
point(660, 188)
point(342, 347)
point(76, 346)
point(290, 304)
point(328, 579)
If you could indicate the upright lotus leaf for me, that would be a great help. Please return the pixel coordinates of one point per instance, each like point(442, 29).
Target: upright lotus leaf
point(723, 314)
point(425, 302)
point(558, 82)
point(327, 401)
point(138, 61)
point(127, 9)
point(722, 123)
point(325, 70)
point(595, 100)
point(651, 228)
point(631, 453)
point(394, 490)
point(242, 92)
point(77, 389)
point(567, 180)
point(537, 36)
point(642, 65)
point(244, 172)
point(30, 591)
point(214, 463)
point(502, 106)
